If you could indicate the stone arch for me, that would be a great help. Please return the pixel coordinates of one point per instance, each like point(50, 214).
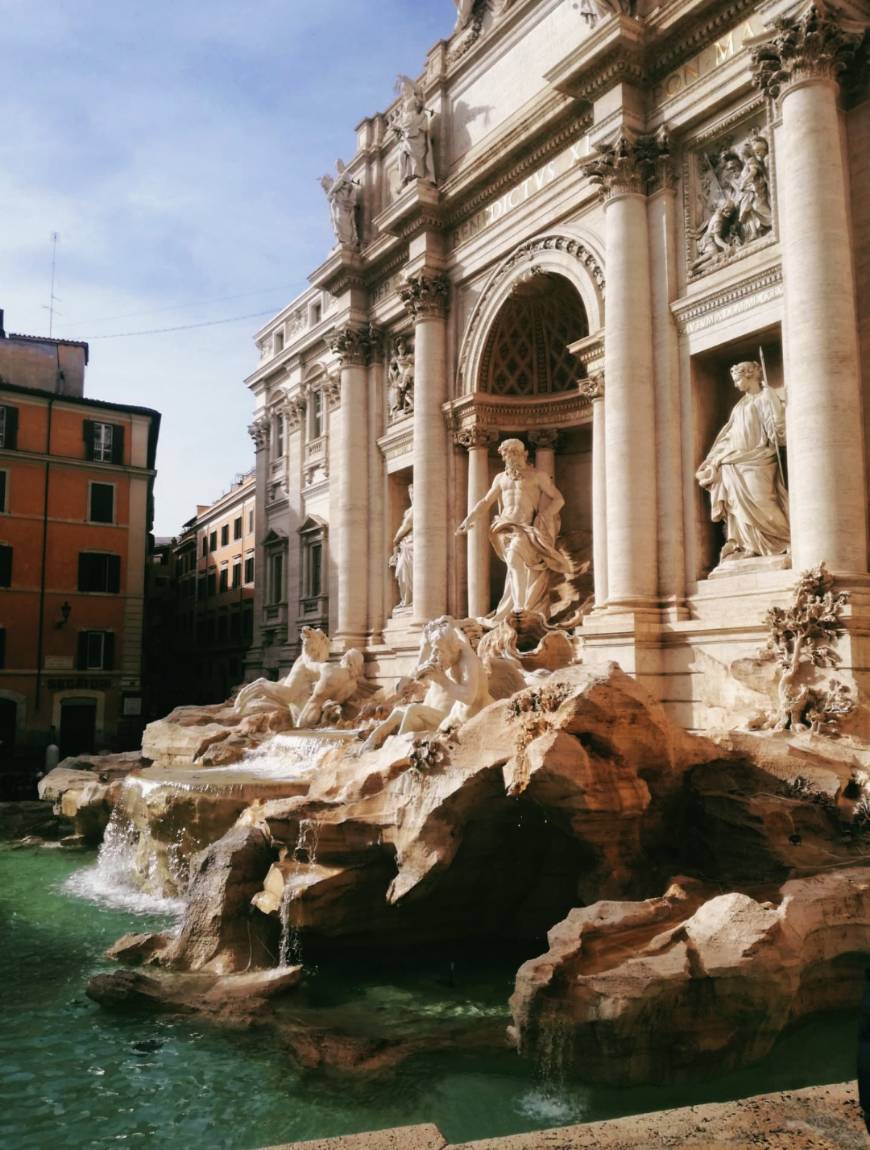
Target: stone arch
point(559, 253)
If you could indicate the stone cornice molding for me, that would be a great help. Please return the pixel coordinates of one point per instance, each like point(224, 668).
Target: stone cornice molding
point(425, 295)
point(629, 164)
point(814, 45)
point(474, 436)
point(693, 313)
point(259, 432)
point(517, 416)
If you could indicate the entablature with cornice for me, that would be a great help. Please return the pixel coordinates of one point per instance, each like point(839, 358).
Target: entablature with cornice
point(518, 414)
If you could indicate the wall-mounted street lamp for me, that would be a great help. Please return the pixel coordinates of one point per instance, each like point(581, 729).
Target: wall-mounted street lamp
point(65, 612)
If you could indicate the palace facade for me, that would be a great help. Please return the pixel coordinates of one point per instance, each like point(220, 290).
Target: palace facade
point(566, 230)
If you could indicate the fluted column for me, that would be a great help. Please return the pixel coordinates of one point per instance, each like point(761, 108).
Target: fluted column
point(622, 170)
point(425, 297)
point(350, 345)
point(544, 443)
point(800, 66)
point(593, 389)
point(377, 511)
point(477, 441)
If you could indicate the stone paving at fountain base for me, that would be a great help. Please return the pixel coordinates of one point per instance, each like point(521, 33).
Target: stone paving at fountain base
point(817, 1118)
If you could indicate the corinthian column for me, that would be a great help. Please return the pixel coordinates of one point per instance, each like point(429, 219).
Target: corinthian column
point(544, 443)
point(425, 297)
point(351, 346)
point(800, 65)
point(477, 442)
point(593, 389)
point(622, 170)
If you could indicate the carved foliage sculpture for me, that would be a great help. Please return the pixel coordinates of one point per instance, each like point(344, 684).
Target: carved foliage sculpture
point(812, 44)
point(629, 163)
point(801, 640)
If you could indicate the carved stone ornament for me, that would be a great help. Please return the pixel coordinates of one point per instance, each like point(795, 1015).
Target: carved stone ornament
point(259, 432)
point(332, 391)
point(592, 387)
point(810, 46)
point(545, 437)
point(733, 199)
point(629, 164)
point(294, 409)
point(470, 437)
point(425, 295)
point(352, 345)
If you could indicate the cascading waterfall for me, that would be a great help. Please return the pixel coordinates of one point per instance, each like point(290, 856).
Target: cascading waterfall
point(304, 854)
point(116, 878)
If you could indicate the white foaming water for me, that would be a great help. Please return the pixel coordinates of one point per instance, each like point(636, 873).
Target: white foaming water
point(114, 881)
point(304, 854)
point(551, 1107)
point(285, 756)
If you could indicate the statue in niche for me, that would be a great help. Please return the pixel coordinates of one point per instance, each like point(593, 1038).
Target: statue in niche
point(743, 471)
point(456, 685)
point(736, 201)
point(402, 559)
point(465, 11)
point(401, 379)
point(524, 533)
point(343, 194)
point(412, 126)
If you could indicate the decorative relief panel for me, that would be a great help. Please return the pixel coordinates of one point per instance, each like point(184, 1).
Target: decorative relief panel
point(729, 196)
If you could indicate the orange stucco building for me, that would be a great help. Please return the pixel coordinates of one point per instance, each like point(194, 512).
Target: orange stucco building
point(76, 480)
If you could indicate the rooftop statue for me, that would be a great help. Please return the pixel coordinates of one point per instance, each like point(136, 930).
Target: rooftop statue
point(412, 126)
point(743, 471)
point(523, 532)
point(343, 194)
point(456, 685)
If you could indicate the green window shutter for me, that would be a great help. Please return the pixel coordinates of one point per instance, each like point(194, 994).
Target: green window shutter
point(10, 437)
point(88, 435)
point(113, 573)
point(117, 443)
point(82, 651)
point(85, 571)
point(2, 646)
point(109, 651)
point(5, 565)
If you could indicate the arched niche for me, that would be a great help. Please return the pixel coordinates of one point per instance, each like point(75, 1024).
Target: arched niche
point(557, 256)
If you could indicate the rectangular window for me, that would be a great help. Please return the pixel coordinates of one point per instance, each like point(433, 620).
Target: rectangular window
point(276, 578)
point(204, 546)
point(225, 534)
point(99, 572)
point(102, 509)
point(2, 490)
point(279, 437)
point(224, 579)
point(212, 583)
point(212, 541)
point(96, 651)
point(315, 427)
point(249, 569)
point(237, 528)
point(5, 565)
point(315, 559)
point(104, 442)
point(237, 574)
point(8, 427)
point(250, 522)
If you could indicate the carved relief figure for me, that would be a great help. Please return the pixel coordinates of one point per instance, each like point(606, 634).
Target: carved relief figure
point(456, 685)
point(743, 471)
point(336, 684)
point(402, 559)
point(523, 532)
point(401, 380)
point(735, 201)
point(412, 126)
point(343, 195)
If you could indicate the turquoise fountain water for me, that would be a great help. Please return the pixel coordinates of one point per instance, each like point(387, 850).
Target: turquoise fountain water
point(75, 1076)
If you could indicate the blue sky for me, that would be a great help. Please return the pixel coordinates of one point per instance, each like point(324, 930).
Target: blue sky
point(176, 149)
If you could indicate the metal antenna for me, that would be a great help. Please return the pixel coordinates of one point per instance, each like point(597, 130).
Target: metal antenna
point(52, 297)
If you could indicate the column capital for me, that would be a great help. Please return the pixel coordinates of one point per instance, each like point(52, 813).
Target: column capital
point(294, 408)
point(425, 294)
point(630, 164)
point(469, 437)
point(352, 345)
point(813, 45)
point(259, 432)
point(544, 437)
point(592, 387)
